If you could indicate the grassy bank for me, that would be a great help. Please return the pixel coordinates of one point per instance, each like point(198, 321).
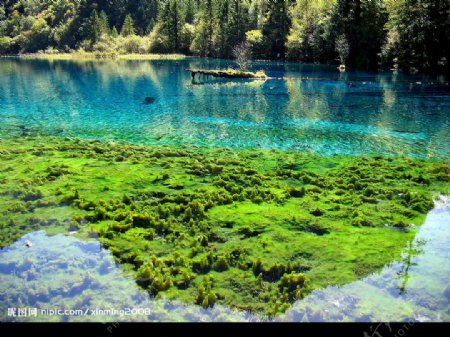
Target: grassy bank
point(79, 55)
point(252, 229)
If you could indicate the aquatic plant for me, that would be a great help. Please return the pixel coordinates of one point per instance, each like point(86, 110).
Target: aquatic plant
point(291, 282)
point(221, 264)
point(269, 225)
point(297, 193)
point(206, 297)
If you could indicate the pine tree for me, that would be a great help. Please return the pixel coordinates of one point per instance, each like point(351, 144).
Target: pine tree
point(209, 20)
point(418, 37)
point(238, 16)
point(150, 26)
point(276, 27)
point(362, 22)
point(104, 22)
point(94, 27)
point(174, 25)
point(223, 28)
point(144, 12)
point(204, 31)
point(128, 26)
point(114, 32)
point(163, 27)
point(309, 37)
point(189, 12)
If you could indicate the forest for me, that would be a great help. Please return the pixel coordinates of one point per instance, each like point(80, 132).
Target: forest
point(409, 35)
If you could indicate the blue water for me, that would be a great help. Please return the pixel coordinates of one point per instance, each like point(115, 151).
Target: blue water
point(303, 107)
point(62, 272)
point(300, 107)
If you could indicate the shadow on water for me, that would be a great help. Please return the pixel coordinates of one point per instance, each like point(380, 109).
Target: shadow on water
point(61, 272)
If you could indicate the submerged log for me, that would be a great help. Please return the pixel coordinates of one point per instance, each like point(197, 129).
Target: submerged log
point(230, 73)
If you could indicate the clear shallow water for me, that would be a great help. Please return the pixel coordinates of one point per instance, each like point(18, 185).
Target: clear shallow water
point(315, 108)
point(66, 273)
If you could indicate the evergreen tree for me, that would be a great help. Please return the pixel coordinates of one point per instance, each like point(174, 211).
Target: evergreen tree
point(114, 32)
point(144, 12)
point(412, 35)
point(202, 44)
point(276, 27)
point(95, 27)
point(209, 21)
point(238, 18)
point(117, 10)
point(150, 26)
point(309, 37)
point(418, 35)
point(362, 22)
point(189, 12)
point(128, 26)
point(175, 24)
point(223, 28)
point(104, 22)
point(163, 28)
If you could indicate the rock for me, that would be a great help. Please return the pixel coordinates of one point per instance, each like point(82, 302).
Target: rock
point(446, 291)
point(28, 244)
point(149, 100)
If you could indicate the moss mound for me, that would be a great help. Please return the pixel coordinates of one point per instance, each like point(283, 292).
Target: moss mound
point(241, 227)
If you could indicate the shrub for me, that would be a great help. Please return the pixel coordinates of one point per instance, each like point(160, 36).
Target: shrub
point(5, 44)
point(255, 40)
point(133, 44)
point(105, 44)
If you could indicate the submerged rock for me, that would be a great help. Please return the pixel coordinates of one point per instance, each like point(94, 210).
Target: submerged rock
point(446, 292)
point(149, 100)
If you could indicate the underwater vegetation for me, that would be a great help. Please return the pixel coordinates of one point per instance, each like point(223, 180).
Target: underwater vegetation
point(229, 73)
point(251, 229)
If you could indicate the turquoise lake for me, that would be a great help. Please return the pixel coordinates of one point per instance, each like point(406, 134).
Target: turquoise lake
point(301, 107)
point(312, 108)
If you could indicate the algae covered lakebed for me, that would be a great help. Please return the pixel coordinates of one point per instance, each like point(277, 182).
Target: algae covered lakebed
point(252, 229)
point(222, 197)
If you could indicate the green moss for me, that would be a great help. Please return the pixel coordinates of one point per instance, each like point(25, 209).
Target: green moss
point(230, 73)
point(297, 193)
point(206, 297)
point(267, 226)
point(291, 282)
point(221, 264)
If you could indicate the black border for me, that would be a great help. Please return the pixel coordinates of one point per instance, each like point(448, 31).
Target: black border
point(375, 329)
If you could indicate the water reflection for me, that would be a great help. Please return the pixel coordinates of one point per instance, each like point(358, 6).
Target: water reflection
point(416, 288)
point(314, 107)
point(65, 273)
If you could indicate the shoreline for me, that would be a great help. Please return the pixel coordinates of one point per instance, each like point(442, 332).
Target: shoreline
point(92, 56)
